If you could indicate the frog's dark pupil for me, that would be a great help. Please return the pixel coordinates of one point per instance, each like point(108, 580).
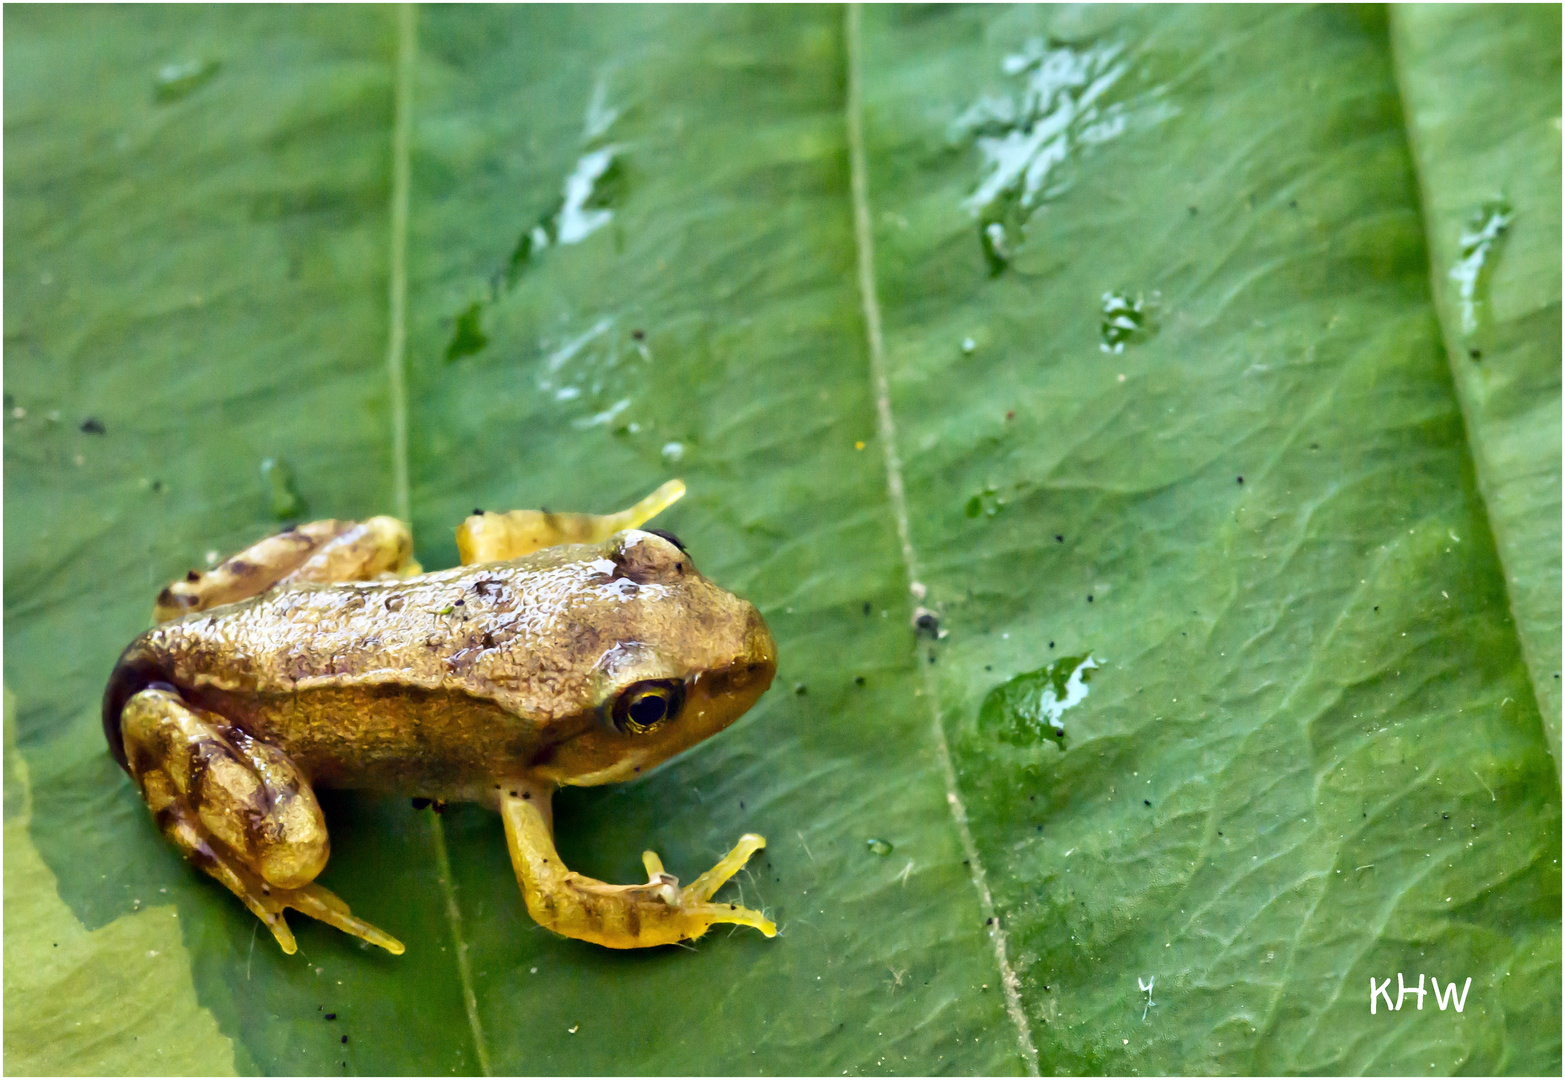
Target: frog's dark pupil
point(648, 709)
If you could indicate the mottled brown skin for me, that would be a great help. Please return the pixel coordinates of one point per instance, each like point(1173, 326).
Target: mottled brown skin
point(494, 683)
point(447, 684)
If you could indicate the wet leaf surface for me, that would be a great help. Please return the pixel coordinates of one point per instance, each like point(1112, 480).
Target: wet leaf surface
point(1171, 394)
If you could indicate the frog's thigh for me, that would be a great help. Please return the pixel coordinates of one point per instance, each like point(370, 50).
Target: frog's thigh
point(495, 537)
point(328, 550)
point(617, 916)
point(238, 808)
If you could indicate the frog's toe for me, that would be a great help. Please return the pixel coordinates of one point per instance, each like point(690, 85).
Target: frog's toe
point(703, 887)
point(733, 913)
point(321, 903)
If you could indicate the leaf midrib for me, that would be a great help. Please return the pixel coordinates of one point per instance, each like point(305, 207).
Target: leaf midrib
point(864, 251)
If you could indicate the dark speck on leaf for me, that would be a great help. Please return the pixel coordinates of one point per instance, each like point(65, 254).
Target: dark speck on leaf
point(858, 680)
point(1241, 479)
point(478, 512)
point(331, 1016)
point(639, 335)
point(1089, 598)
point(93, 426)
point(157, 485)
point(1010, 414)
point(866, 607)
point(800, 689)
point(345, 1040)
point(1147, 801)
point(1059, 538)
point(1051, 644)
point(988, 667)
point(1194, 211)
point(1475, 354)
point(1293, 204)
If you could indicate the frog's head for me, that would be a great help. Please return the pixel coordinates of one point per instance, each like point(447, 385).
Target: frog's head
point(679, 660)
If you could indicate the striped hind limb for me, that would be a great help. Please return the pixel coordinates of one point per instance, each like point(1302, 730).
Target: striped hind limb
point(237, 808)
point(320, 551)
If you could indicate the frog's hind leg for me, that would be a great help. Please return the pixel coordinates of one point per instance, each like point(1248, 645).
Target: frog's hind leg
point(239, 809)
point(328, 550)
point(495, 537)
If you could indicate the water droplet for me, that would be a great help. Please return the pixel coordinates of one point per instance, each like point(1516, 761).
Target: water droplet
point(1031, 706)
point(879, 847)
point(1126, 320)
point(175, 81)
point(1054, 106)
point(1480, 241)
point(969, 346)
point(673, 452)
point(997, 249)
point(282, 491)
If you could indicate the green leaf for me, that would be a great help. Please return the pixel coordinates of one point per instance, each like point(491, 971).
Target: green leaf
point(1154, 282)
point(1483, 143)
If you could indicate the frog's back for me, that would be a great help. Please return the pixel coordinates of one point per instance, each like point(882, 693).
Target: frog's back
point(433, 682)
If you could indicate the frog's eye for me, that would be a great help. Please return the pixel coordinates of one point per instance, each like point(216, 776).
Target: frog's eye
point(644, 705)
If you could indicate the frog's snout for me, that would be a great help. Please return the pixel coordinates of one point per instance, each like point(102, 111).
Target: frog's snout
point(747, 675)
point(760, 651)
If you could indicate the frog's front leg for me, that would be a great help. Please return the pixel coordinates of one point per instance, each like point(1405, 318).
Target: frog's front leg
point(496, 537)
point(618, 916)
point(238, 808)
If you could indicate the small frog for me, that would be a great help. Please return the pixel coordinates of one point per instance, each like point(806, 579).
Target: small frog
point(567, 649)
